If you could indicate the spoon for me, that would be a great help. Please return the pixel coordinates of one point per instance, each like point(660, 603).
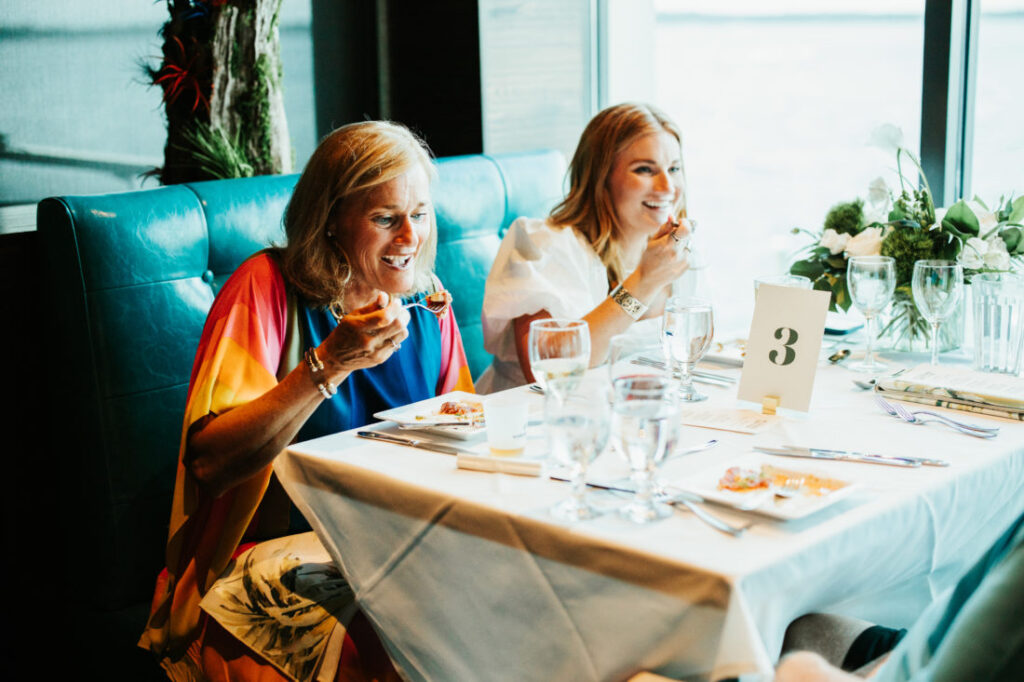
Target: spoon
point(866, 385)
point(839, 356)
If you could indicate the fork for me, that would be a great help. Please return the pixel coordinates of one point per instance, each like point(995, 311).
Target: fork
point(439, 308)
point(922, 416)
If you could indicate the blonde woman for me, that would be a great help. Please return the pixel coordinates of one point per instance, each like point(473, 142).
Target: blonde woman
point(302, 340)
point(609, 253)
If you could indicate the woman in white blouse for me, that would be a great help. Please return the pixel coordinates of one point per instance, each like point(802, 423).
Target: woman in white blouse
point(608, 254)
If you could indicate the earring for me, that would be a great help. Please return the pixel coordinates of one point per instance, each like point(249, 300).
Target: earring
point(330, 234)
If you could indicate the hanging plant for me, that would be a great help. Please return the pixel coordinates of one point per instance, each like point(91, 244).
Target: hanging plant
point(220, 75)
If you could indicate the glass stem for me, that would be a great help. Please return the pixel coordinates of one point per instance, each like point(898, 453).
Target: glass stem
point(935, 343)
point(869, 329)
point(579, 484)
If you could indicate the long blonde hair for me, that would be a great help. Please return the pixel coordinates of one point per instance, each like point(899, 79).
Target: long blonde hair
point(588, 206)
point(347, 164)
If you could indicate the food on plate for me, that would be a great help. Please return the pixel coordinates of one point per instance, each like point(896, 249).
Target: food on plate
point(465, 410)
point(739, 479)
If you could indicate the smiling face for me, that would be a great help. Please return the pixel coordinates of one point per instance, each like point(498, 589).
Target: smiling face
point(646, 184)
point(383, 234)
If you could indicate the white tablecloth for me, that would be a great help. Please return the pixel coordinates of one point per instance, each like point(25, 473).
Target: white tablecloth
point(467, 577)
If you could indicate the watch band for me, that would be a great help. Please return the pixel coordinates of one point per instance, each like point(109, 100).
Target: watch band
point(629, 303)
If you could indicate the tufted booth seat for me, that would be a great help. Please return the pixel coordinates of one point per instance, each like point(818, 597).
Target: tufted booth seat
point(129, 280)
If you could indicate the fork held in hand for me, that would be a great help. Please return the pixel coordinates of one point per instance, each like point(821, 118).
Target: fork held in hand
point(922, 416)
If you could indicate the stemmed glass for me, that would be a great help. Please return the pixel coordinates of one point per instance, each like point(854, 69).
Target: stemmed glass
point(871, 281)
point(938, 286)
point(687, 328)
point(579, 433)
point(635, 355)
point(559, 354)
point(645, 426)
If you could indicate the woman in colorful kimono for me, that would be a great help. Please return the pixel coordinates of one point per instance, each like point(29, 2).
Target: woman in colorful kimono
point(303, 340)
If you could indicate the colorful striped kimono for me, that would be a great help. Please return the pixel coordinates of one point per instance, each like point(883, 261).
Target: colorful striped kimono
point(255, 333)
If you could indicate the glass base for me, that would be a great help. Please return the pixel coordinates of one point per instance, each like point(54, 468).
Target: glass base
point(571, 510)
point(638, 512)
point(874, 366)
point(691, 395)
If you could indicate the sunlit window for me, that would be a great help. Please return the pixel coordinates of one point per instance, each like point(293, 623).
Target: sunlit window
point(777, 102)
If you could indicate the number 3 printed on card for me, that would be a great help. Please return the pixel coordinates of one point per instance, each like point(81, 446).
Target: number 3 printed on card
point(790, 354)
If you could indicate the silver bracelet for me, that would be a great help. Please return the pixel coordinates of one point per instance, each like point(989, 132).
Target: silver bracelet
point(316, 370)
point(629, 303)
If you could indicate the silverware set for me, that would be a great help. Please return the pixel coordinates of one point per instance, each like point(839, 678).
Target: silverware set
point(699, 375)
point(923, 416)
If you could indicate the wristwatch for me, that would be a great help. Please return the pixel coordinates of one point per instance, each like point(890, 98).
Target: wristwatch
point(629, 303)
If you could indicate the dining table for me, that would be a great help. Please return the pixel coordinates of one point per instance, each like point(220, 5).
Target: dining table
point(466, 575)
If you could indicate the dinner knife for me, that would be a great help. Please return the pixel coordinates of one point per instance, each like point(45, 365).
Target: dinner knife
point(410, 442)
point(844, 456)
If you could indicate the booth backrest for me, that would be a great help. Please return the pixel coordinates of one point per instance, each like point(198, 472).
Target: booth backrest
point(129, 280)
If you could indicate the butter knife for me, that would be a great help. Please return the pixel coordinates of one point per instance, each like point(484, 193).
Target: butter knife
point(842, 456)
point(410, 442)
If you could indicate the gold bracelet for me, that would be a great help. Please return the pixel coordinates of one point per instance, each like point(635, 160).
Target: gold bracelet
point(316, 370)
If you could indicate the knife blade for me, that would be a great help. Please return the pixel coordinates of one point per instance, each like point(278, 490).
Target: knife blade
point(839, 455)
point(675, 494)
point(925, 461)
point(410, 442)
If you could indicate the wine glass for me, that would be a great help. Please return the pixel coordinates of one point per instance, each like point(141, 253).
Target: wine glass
point(784, 280)
point(578, 428)
point(559, 354)
point(687, 328)
point(938, 286)
point(635, 355)
point(645, 426)
point(871, 281)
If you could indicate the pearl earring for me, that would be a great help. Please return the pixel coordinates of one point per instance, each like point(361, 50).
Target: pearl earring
point(330, 234)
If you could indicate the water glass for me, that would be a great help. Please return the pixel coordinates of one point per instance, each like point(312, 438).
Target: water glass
point(559, 353)
point(998, 305)
point(871, 281)
point(797, 281)
point(938, 286)
point(687, 328)
point(645, 426)
point(578, 432)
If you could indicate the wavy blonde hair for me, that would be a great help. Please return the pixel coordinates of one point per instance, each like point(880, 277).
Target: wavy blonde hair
point(588, 206)
point(348, 163)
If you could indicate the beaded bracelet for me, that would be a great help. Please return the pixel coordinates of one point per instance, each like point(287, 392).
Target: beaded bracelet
point(316, 369)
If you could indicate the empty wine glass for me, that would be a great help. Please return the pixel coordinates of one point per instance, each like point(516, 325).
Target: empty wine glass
point(559, 354)
point(578, 428)
point(687, 328)
point(636, 355)
point(871, 281)
point(938, 286)
point(645, 426)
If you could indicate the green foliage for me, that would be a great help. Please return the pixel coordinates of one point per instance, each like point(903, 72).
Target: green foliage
point(214, 154)
point(961, 221)
point(908, 244)
point(846, 218)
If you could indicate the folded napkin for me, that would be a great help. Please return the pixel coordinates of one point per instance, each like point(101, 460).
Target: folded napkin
point(727, 354)
point(503, 465)
point(997, 395)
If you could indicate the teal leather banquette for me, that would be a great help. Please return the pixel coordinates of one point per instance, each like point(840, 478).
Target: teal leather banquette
point(130, 278)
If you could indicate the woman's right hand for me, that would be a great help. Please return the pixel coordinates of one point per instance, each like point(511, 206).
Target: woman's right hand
point(364, 338)
point(663, 261)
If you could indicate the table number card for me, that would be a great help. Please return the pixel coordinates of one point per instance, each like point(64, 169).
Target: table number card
point(782, 349)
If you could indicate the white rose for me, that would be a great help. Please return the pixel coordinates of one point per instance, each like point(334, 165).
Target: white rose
point(997, 256)
point(986, 219)
point(886, 137)
point(835, 242)
point(867, 243)
point(972, 255)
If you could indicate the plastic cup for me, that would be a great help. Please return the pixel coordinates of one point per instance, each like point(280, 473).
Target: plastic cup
point(506, 417)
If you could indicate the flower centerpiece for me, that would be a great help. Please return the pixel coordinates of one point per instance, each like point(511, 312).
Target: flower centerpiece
point(908, 227)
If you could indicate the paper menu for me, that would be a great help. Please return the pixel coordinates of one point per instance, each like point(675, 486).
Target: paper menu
point(738, 421)
point(998, 389)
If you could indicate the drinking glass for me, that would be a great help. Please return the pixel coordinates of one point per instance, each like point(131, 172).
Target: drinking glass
point(938, 286)
point(636, 355)
point(578, 428)
point(559, 354)
point(645, 426)
point(687, 328)
point(797, 281)
point(998, 299)
point(871, 281)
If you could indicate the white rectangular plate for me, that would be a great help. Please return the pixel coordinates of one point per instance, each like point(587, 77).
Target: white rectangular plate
point(418, 414)
point(705, 484)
